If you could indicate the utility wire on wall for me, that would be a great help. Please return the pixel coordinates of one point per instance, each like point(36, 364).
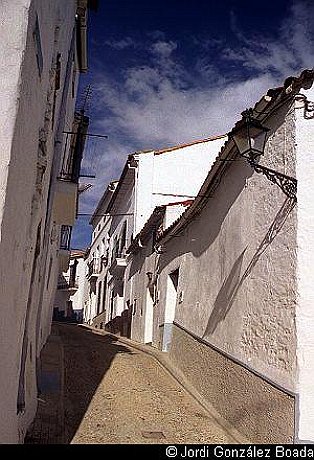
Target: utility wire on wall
point(105, 215)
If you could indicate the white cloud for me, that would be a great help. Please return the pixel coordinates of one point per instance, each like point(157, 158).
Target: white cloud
point(163, 49)
point(162, 102)
point(119, 45)
point(284, 55)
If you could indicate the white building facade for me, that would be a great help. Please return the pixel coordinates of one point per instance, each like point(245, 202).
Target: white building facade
point(97, 260)
point(231, 282)
point(69, 300)
point(43, 50)
point(149, 179)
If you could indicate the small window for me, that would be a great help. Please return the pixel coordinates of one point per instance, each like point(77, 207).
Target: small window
point(49, 272)
point(174, 276)
point(123, 238)
point(58, 73)
point(39, 52)
point(73, 82)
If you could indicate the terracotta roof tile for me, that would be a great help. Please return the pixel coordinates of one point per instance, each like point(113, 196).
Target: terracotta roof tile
point(188, 144)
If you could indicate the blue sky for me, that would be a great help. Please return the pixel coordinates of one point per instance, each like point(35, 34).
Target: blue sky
point(172, 71)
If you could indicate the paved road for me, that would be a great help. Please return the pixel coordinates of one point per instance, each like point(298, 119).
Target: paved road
point(113, 393)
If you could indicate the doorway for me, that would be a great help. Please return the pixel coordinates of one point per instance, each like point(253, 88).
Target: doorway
point(170, 308)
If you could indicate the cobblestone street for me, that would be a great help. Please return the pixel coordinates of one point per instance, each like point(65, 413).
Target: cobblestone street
point(97, 389)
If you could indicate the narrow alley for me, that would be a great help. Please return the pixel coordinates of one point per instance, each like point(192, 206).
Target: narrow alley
point(97, 389)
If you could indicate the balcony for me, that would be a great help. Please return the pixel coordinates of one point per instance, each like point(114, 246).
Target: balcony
point(104, 259)
point(94, 268)
point(66, 283)
point(74, 144)
point(118, 263)
point(66, 192)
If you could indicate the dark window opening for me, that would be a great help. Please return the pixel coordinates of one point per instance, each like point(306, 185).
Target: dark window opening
point(99, 297)
point(39, 53)
point(73, 270)
point(49, 272)
point(174, 276)
point(65, 240)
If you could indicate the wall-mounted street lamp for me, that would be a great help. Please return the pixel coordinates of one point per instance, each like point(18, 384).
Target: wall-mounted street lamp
point(250, 138)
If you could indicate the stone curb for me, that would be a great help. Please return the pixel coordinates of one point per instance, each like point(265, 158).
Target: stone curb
point(165, 362)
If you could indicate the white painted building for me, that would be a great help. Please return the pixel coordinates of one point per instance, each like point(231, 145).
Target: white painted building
point(43, 50)
point(149, 179)
point(97, 260)
point(228, 288)
point(69, 300)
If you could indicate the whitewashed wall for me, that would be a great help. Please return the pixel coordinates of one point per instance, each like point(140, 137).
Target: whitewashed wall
point(237, 265)
point(78, 297)
point(305, 271)
point(26, 297)
point(172, 176)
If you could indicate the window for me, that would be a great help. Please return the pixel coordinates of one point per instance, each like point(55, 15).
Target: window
point(111, 305)
point(73, 81)
point(57, 86)
point(99, 297)
point(49, 272)
point(104, 294)
point(39, 53)
point(115, 248)
point(58, 72)
point(73, 270)
point(134, 306)
point(123, 238)
point(65, 240)
point(174, 276)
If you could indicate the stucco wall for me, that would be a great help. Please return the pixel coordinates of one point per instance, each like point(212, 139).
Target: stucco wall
point(305, 272)
point(110, 228)
point(25, 98)
point(260, 411)
point(160, 181)
point(237, 265)
point(141, 262)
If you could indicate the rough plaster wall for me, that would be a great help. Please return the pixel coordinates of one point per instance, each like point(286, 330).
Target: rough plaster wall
point(305, 272)
point(141, 263)
point(13, 19)
point(21, 214)
point(13, 33)
point(261, 412)
point(238, 274)
point(136, 274)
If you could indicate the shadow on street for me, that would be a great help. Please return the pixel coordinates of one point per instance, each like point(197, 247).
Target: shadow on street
point(86, 358)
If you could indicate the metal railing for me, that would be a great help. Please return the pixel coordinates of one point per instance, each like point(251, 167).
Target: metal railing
point(73, 149)
point(67, 282)
point(94, 267)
